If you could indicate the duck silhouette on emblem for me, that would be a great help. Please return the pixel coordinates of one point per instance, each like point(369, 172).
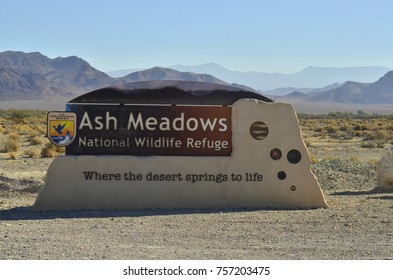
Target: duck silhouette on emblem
point(59, 128)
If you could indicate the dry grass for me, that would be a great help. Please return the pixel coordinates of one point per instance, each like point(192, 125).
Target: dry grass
point(50, 151)
point(13, 136)
point(13, 155)
point(373, 132)
point(32, 153)
point(11, 145)
point(24, 134)
point(36, 140)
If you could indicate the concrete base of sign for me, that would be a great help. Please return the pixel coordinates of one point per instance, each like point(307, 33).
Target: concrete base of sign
point(269, 167)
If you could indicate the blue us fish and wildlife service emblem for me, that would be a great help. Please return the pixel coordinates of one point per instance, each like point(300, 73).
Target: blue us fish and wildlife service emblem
point(61, 128)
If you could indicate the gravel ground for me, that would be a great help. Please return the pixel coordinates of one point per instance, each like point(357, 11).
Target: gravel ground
point(358, 224)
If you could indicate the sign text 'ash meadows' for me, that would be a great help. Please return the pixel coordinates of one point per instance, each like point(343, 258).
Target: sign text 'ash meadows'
point(152, 130)
point(109, 122)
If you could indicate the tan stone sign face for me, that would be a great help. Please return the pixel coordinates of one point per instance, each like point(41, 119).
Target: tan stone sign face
point(269, 166)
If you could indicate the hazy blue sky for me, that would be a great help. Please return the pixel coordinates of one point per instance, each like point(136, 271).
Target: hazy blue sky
point(245, 35)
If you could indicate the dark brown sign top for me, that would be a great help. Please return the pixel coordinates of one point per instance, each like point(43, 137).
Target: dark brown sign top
point(170, 92)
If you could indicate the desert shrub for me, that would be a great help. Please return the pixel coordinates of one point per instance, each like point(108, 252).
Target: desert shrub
point(36, 140)
point(50, 150)
point(370, 144)
point(343, 135)
point(380, 143)
point(31, 153)
point(318, 129)
point(361, 127)
point(6, 131)
point(14, 136)
point(41, 129)
point(358, 134)
point(377, 135)
point(345, 127)
point(12, 155)
point(354, 159)
point(11, 145)
point(383, 135)
point(373, 161)
point(330, 158)
point(331, 129)
point(313, 159)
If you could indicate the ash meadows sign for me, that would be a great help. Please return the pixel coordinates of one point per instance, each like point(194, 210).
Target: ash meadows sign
point(176, 144)
point(152, 130)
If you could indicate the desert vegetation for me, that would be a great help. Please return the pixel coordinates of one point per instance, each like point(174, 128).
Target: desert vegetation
point(361, 130)
point(23, 134)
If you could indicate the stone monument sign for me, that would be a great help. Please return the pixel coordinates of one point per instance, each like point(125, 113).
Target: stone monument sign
point(176, 144)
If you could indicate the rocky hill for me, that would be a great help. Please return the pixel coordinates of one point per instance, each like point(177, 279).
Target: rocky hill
point(160, 73)
point(349, 92)
point(22, 85)
point(379, 92)
point(33, 76)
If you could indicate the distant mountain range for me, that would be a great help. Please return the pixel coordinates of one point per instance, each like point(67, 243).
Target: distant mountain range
point(311, 77)
point(33, 76)
point(379, 92)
